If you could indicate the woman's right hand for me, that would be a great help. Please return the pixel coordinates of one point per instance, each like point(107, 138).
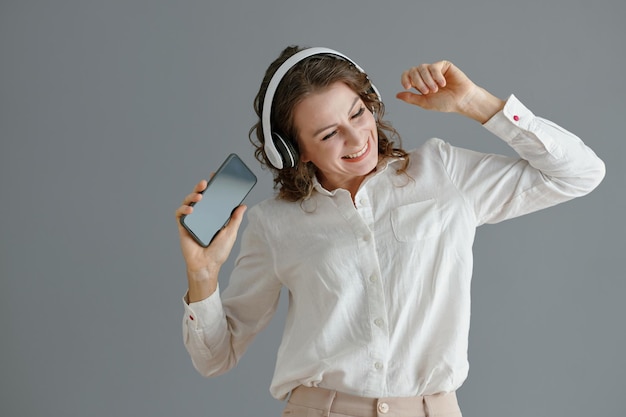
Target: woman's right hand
point(203, 264)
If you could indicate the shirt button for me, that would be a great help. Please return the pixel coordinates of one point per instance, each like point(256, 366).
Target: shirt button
point(379, 322)
point(373, 278)
point(516, 118)
point(366, 238)
point(383, 408)
point(378, 366)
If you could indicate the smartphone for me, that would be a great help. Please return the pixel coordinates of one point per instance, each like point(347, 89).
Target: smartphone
point(226, 190)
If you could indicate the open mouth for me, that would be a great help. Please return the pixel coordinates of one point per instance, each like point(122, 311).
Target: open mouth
point(357, 154)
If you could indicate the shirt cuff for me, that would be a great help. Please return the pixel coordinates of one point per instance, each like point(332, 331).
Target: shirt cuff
point(204, 313)
point(513, 118)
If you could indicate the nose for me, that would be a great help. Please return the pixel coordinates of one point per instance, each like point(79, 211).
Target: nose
point(352, 137)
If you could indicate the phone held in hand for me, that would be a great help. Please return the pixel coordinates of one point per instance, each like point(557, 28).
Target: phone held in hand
point(226, 190)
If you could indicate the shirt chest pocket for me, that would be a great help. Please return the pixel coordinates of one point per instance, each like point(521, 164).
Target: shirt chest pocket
point(417, 221)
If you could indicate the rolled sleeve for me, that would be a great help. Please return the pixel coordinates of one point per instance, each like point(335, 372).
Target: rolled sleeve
point(200, 319)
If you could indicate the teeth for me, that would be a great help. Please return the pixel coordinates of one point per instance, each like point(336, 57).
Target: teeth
point(359, 153)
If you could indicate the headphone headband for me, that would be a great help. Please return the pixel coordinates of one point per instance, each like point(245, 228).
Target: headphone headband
point(271, 151)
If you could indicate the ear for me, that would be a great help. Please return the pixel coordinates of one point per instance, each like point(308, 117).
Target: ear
point(304, 155)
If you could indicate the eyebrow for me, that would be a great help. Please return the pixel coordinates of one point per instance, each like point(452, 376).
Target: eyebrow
point(320, 130)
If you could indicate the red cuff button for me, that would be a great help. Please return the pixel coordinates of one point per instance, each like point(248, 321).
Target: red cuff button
point(191, 318)
point(516, 118)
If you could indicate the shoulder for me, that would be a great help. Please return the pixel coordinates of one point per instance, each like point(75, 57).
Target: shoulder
point(268, 206)
point(438, 151)
point(430, 151)
point(431, 147)
point(271, 209)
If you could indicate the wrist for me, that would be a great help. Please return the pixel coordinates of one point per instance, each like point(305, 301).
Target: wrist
point(481, 105)
point(202, 283)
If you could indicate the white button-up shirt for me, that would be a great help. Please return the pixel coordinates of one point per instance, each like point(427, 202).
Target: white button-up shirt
point(379, 288)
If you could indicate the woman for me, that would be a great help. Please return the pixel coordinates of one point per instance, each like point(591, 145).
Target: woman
point(373, 242)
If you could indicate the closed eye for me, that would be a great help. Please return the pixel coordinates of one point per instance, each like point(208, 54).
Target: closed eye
point(359, 113)
point(354, 116)
point(330, 135)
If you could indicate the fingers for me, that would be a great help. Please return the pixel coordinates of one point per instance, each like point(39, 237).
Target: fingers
point(440, 86)
point(235, 218)
point(186, 207)
point(194, 197)
point(412, 98)
point(426, 78)
point(232, 226)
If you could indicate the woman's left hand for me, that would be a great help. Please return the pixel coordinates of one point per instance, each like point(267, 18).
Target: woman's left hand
point(443, 87)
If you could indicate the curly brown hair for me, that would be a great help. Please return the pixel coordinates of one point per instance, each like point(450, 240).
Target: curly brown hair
point(311, 75)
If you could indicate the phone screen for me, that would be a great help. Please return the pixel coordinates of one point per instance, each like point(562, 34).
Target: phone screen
point(226, 190)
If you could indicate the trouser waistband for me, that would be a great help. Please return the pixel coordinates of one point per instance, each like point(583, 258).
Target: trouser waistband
point(329, 401)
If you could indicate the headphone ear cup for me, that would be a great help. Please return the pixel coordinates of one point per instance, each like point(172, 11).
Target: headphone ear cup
point(287, 151)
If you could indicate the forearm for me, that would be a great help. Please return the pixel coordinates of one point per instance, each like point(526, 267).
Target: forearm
point(554, 166)
point(549, 148)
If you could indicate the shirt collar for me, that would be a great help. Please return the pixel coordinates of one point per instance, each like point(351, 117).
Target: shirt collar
point(380, 168)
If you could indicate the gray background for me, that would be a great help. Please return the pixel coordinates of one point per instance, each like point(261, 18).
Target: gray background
point(110, 111)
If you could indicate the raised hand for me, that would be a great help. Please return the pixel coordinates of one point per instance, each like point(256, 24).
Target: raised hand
point(441, 86)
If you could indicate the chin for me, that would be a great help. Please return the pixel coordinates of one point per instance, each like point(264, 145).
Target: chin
point(370, 165)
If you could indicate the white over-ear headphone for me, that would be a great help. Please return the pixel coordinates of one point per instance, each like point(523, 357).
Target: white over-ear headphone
point(280, 152)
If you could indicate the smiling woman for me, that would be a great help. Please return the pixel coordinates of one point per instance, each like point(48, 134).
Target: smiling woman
point(310, 86)
point(379, 270)
point(344, 149)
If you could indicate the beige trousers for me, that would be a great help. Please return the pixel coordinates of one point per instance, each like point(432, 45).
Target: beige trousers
point(320, 402)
